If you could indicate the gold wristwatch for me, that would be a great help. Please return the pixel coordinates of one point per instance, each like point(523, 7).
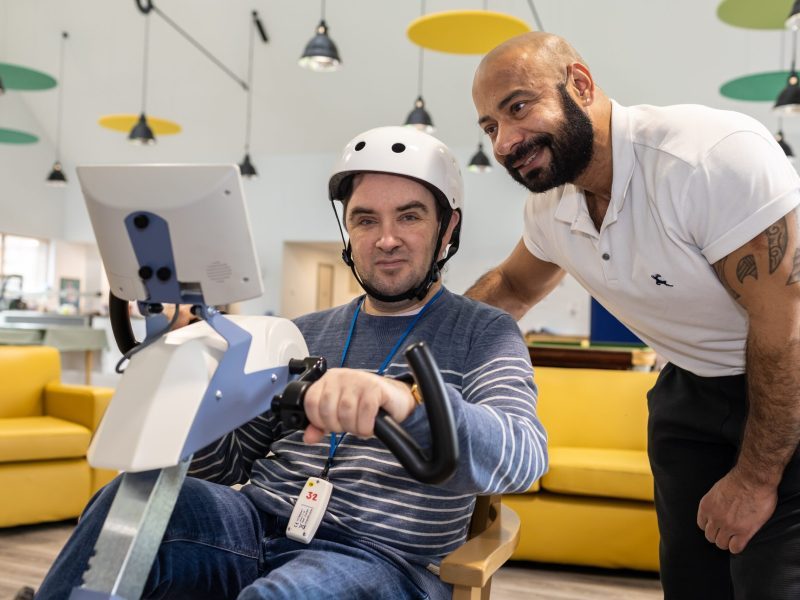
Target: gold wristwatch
point(416, 393)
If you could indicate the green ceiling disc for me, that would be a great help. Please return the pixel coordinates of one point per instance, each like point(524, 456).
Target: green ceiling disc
point(21, 78)
point(758, 87)
point(12, 136)
point(755, 14)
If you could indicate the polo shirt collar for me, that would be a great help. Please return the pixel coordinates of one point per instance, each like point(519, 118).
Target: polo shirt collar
point(572, 206)
point(622, 152)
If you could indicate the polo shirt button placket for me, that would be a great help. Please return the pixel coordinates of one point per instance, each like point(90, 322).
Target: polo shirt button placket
point(609, 275)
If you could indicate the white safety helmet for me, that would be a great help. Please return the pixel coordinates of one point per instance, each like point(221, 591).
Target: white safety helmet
point(410, 153)
point(401, 151)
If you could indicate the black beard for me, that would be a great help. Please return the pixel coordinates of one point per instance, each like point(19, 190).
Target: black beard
point(570, 150)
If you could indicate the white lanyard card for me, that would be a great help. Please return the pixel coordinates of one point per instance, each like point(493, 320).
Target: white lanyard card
point(309, 508)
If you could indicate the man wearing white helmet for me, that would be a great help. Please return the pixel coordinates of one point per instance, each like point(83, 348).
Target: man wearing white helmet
point(383, 533)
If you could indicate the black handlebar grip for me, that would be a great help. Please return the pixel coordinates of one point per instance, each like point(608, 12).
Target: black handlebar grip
point(288, 405)
point(432, 467)
point(120, 317)
point(443, 459)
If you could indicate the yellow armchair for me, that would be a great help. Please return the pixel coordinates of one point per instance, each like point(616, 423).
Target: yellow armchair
point(595, 505)
point(45, 429)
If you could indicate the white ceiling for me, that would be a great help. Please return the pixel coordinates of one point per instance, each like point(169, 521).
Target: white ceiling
point(640, 51)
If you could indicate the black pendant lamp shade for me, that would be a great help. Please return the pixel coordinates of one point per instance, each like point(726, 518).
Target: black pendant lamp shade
point(56, 178)
point(246, 168)
point(793, 20)
point(787, 149)
point(321, 53)
point(142, 133)
point(479, 163)
point(2, 88)
point(788, 101)
point(420, 118)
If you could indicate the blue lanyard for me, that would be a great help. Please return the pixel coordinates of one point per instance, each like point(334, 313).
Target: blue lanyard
point(336, 440)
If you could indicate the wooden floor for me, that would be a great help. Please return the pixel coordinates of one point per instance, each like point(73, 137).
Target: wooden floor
point(26, 554)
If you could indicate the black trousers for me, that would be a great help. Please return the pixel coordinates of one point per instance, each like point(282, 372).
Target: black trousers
point(694, 432)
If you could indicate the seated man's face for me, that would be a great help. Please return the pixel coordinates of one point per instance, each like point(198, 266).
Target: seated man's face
point(393, 226)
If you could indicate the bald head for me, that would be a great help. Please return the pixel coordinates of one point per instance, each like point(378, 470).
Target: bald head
point(546, 54)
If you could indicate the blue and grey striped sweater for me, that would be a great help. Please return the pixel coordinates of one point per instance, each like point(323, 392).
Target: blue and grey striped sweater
point(486, 368)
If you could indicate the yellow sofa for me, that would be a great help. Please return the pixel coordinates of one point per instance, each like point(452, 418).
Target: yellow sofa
point(595, 505)
point(45, 428)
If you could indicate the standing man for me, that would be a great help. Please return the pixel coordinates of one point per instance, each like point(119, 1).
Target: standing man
point(682, 222)
point(382, 534)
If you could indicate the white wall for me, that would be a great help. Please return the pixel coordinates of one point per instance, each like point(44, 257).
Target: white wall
point(299, 286)
point(491, 228)
point(27, 205)
point(288, 202)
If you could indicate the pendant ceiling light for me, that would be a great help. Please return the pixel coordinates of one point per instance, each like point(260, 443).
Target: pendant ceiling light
point(793, 20)
point(320, 53)
point(124, 124)
point(2, 87)
point(787, 149)
point(479, 163)
point(246, 168)
point(788, 102)
point(779, 137)
point(144, 127)
point(57, 178)
point(419, 117)
point(142, 132)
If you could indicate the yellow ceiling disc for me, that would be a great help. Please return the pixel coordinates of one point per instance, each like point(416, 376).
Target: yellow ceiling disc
point(125, 123)
point(464, 31)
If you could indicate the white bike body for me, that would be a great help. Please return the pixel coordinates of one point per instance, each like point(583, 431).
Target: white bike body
point(154, 407)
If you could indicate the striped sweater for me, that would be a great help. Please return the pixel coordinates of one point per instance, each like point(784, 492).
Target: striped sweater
point(487, 372)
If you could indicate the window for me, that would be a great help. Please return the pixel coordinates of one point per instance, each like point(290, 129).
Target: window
point(23, 266)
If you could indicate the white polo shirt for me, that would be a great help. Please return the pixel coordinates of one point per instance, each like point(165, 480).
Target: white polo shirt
point(691, 184)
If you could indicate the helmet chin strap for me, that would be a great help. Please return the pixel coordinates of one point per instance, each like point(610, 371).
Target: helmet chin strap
point(417, 292)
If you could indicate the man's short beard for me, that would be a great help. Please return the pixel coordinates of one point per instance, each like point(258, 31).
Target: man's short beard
point(570, 149)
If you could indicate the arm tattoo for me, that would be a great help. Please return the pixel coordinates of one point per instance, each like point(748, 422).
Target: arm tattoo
point(719, 267)
point(795, 275)
point(746, 266)
point(777, 238)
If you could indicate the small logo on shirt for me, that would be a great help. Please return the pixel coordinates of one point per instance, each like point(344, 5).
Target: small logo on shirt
point(660, 281)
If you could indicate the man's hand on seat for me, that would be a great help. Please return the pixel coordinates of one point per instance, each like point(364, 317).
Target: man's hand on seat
point(347, 400)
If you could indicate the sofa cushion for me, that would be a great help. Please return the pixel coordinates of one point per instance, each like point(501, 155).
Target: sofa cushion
point(600, 532)
point(594, 408)
point(24, 371)
point(43, 490)
point(608, 473)
point(41, 438)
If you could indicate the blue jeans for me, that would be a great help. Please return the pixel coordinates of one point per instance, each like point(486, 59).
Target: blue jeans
point(219, 545)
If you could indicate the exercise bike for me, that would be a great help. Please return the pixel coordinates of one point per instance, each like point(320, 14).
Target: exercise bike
point(179, 234)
